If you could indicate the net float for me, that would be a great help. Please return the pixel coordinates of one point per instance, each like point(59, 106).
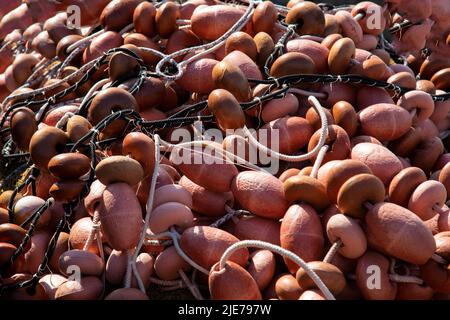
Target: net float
point(34, 256)
point(210, 170)
point(328, 273)
point(50, 283)
point(66, 190)
point(79, 233)
point(120, 216)
point(316, 51)
point(112, 170)
point(427, 199)
point(207, 202)
point(292, 63)
point(144, 19)
point(262, 267)
point(139, 40)
point(45, 144)
point(57, 27)
point(226, 283)
point(13, 234)
point(23, 126)
point(405, 227)
point(264, 46)
point(197, 76)
point(381, 161)
point(205, 245)
point(170, 214)
point(436, 273)
point(139, 146)
point(231, 78)
point(349, 232)
point(427, 153)
point(116, 267)
point(245, 63)
point(118, 14)
point(301, 233)
point(26, 206)
point(89, 288)
point(314, 119)
point(257, 228)
point(296, 132)
point(287, 288)
point(172, 193)
point(404, 184)
point(225, 107)
point(89, 263)
point(166, 17)
point(144, 266)
point(306, 189)
point(308, 17)
point(62, 246)
point(337, 139)
point(211, 22)
point(260, 193)
point(390, 116)
point(69, 165)
point(168, 264)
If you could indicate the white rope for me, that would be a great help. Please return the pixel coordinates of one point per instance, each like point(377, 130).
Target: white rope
point(6, 45)
point(126, 29)
point(319, 160)
point(166, 283)
point(63, 121)
point(191, 286)
point(298, 158)
point(332, 252)
point(440, 210)
point(71, 56)
point(180, 252)
point(55, 106)
point(444, 134)
point(186, 26)
point(148, 210)
point(152, 51)
point(405, 279)
point(136, 273)
point(281, 251)
point(44, 63)
point(359, 16)
point(437, 258)
point(127, 280)
point(187, 146)
point(94, 88)
point(312, 38)
point(182, 22)
point(83, 41)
